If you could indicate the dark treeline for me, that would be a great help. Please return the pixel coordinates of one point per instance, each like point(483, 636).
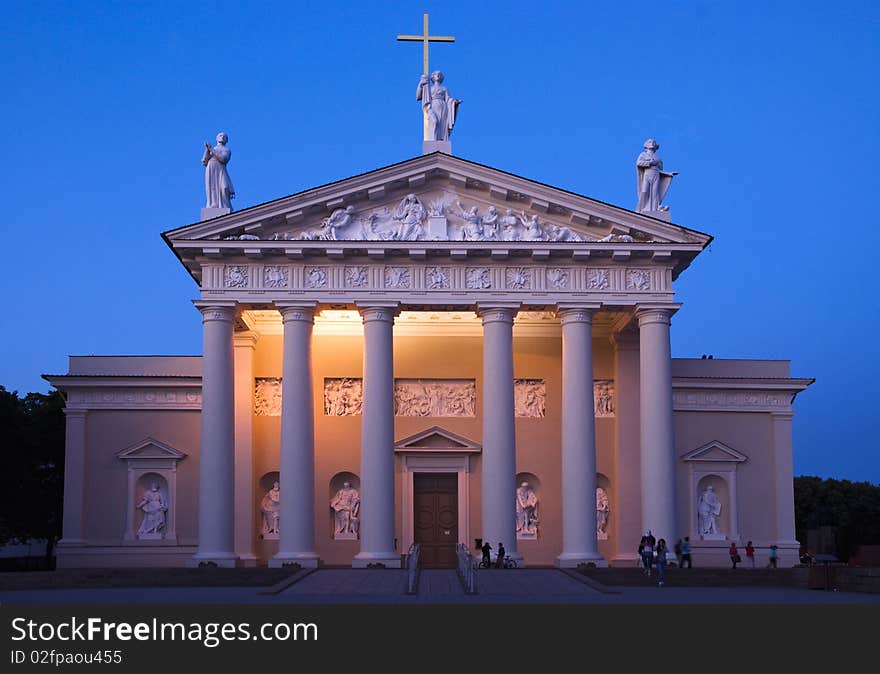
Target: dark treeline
point(31, 467)
point(852, 508)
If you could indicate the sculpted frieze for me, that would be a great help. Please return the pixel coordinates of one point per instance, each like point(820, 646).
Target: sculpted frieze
point(275, 277)
point(236, 276)
point(603, 397)
point(402, 277)
point(529, 396)
point(435, 397)
point(638, 279)
point(267, 396)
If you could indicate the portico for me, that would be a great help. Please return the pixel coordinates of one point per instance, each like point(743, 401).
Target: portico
point(427, 338)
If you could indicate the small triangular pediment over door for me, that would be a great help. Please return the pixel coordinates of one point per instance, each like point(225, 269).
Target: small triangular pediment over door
point(715, 451)
point(436, 439)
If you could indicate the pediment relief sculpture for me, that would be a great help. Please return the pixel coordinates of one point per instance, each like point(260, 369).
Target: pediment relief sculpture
point(438, 216)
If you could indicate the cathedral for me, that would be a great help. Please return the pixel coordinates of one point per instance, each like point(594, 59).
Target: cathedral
point(435, 354)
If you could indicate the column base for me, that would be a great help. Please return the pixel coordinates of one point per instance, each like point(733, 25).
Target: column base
point(364, 560)
point(307, 560)
point(572, 560)
point(223, 560)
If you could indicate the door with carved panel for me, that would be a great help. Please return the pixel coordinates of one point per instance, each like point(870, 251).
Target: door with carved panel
point(435, 517)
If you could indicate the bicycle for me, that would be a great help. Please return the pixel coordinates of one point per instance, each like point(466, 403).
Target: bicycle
point(508, 564)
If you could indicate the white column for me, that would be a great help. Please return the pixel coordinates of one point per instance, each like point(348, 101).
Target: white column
point(626, 504)
point(657, 439)
point(244, 345)
point(783, 479)
point(297, 517)
point(74, 478)
point(579, 543)
point(499, 436)
point(377, 440)
point(217, 453)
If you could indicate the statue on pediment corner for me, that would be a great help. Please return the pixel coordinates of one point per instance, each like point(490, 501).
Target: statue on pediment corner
point(219, 191)
point(653, 181)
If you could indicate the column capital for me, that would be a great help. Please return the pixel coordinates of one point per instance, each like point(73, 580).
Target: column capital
point(216, 310)
point(655, 313)
point(378, 311)
point(575, 313)
point(297, 311)
point(496, 312)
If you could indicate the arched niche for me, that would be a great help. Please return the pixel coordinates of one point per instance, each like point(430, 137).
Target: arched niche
point(603, 506)
point(151, 461)
point(344, 503)
point(269, 506)
point(717, 485)
point(714, 464)
point(527, 501)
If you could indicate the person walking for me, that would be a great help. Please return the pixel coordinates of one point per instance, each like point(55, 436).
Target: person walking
point(773, 557)
point(660, 561)
point(686, 553)
point(646, 551)
point(734, 555)
point(750, 554)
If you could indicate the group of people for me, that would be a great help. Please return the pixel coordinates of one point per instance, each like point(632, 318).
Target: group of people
point(654, 555)
point(735, 557)
point(487, 556)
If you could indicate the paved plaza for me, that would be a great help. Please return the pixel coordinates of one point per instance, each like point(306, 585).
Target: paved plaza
point(387, 586)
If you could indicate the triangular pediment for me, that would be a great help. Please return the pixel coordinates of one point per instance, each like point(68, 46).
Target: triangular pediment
point(373, 207)
point(436, 439)
point(715, 451)
point(150, 448)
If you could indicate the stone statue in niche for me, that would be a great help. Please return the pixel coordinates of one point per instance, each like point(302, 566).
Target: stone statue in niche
point(153, 506)
point(526, 512)
point(270, 507)
point(440, 109)
point(529, 398)
point(708, 511)
point(603, 511)
point(218, 186)
point(653, 181)
point(343, 397)
point(346, 504)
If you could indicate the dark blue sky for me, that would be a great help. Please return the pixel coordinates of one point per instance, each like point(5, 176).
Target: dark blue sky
point(768, 110)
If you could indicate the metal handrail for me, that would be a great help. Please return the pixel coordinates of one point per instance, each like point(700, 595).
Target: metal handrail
point(467, 570)
point(412, 568)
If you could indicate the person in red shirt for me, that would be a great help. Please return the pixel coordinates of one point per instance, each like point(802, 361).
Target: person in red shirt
point(734, 555)
point(750, 554)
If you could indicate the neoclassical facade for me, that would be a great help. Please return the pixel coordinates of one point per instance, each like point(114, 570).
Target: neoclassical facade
point(435, 352)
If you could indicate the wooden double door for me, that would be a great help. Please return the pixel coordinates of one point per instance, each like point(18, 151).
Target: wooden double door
point(435, 517)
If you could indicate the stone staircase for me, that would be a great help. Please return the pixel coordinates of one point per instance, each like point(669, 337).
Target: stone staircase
point(634, 577)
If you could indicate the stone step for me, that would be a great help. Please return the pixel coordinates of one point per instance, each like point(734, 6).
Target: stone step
point(796, 577)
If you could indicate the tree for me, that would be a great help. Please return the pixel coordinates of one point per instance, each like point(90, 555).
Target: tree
point(31, 467)
point(853, 508)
